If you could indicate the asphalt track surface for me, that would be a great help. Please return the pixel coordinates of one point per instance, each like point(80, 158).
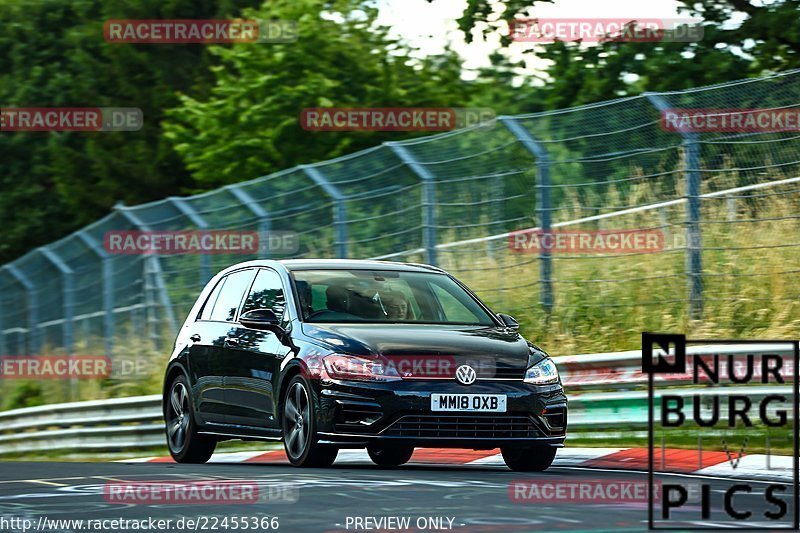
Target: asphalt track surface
point(476, 497)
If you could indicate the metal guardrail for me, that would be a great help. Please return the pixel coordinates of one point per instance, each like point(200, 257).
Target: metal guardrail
point(136, 422)
point(108, 425)
point(621, 370)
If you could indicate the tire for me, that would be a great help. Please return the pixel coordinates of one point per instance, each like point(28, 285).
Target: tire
point(299, 424)
point(389, 455)
point(184, 443)
point(529, 459)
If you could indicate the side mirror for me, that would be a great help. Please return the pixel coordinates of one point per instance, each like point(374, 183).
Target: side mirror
point(263, 319)
point(508, 320)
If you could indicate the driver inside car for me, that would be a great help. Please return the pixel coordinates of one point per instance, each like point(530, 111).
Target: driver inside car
point(396, 305)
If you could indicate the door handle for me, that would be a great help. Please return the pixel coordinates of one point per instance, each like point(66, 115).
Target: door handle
point(231, 341)
point(195, 338)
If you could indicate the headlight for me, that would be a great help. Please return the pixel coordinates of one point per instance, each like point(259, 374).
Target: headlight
point(542, 373)
point(352, 367)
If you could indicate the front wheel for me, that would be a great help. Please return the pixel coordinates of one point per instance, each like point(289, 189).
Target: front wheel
point(388, 455)
point(300, 428)
point(529, 459)
point(185, 444)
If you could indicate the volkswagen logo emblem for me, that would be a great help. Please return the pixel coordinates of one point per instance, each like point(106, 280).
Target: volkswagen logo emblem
point(466, 375)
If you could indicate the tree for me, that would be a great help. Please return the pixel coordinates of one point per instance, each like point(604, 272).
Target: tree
point(768, 40)
point(53, 54)
point(249, 125)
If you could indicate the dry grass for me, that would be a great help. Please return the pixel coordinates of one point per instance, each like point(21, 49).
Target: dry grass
point(750, 278)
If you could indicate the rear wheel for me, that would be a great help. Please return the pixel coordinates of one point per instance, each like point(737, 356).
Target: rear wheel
point(529, 459)
point(389, 455)
point(185, 444)
point(300, 428)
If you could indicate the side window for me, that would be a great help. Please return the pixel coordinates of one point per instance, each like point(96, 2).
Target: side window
point(267, 293)
point(205, 314)
point(236, 285)
point(454, 310)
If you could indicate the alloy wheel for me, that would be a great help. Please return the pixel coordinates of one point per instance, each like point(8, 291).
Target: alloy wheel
point(178, 416)
point(297, 412)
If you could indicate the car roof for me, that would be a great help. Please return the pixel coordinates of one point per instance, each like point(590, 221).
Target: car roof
point(335, 264)
point(308, 264)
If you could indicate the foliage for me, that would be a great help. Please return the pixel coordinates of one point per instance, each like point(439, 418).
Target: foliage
point(53, 54)
point(249, 125)
point(767, 41)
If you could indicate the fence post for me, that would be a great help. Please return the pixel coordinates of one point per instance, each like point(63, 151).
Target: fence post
point(339, 212)
point(428, 199)
point(731, 204)
point(3, 346)
point(543, 204)
point(155, 267)
point(264, 224)
point(205, 261)
point(67, 291)
point(33, 308)
point(496, 195)
point(694, 263)
point(107, 275)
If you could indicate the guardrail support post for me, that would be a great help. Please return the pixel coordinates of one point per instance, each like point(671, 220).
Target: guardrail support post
point(543, 204)
point(340, 211)
point(33, 308)
point(264, 223)
point(155, 266)
point(694, 262)
point(107, 275)
point(205, 261)
point(428, 199)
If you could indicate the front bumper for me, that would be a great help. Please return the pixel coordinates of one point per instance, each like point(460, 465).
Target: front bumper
point(357, 413)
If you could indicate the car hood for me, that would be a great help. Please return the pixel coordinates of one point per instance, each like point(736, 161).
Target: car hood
point(498, 350)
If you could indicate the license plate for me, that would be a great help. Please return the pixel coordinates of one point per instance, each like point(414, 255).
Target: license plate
point(487, 403)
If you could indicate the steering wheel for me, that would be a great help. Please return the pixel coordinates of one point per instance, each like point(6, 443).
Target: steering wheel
point(325, 312)
point(316, 314)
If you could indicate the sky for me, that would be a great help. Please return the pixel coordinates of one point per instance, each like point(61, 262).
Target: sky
point(431, 25)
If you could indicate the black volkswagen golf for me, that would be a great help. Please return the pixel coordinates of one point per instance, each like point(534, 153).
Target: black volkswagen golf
point(331, 354)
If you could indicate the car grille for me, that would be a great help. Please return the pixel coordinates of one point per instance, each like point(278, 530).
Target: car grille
point(555, 418)
point(459, 426)
point(356, 416)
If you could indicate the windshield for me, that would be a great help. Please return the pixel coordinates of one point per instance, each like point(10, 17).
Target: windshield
point(386, 296)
